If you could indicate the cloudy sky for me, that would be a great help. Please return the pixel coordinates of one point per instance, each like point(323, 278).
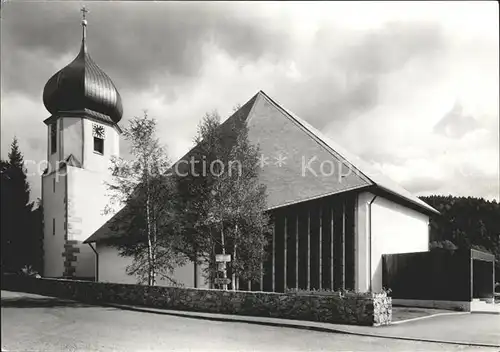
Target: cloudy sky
point(411, 87)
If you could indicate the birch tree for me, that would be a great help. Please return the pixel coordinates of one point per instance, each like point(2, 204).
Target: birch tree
point(224, 203)
point(241, 206)
point(146, 223)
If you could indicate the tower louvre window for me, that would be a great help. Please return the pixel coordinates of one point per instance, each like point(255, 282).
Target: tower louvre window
point(53, 226)
point(53, 138)
point(99, 145)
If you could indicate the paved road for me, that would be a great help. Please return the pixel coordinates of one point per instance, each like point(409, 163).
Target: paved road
point(475, 328)
point(38, 323)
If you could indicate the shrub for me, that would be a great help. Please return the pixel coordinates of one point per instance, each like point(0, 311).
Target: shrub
point(28, 270)
point(339, 293)
point(443, 245)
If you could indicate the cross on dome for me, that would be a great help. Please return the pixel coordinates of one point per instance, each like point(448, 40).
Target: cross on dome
point(84, 12)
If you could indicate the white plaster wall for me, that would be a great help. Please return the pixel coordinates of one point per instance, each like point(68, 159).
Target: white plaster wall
point(53, 158)
point(395, 229)
point(113, 268)
point(87, 199)
point(72, 137)
point(86, 192)
point(53, 208)
point(95, 161)
point(362, 275)
point(85, 261)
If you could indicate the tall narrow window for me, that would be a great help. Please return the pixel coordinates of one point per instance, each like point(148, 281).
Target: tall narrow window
point(98, 134)
point(54, 185)
point(53, 138)
point(53, 226)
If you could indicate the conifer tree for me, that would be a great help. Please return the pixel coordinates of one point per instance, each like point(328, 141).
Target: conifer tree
point(16, 211)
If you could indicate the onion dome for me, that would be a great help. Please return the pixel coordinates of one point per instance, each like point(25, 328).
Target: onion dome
point(83, 87)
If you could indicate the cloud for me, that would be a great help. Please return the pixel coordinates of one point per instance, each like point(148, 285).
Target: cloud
point(143, 44)
point(342, 72)
point(412, 88)
point(29, 132)
point(393, 46)
point(455, 124)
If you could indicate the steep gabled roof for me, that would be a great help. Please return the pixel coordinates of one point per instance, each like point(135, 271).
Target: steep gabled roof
point(280, 133)
point(376, 177)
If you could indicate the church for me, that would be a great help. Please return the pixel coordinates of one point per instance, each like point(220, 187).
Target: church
point(334, 216)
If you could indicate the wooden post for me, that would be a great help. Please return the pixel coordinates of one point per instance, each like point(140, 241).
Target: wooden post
point(332, 276)
point(285, 230)
point(274, 255)
point(320, 245)
point(195, 267)
point(261, 280)
point(224, 272)
point(261, 276)
point(308, 248)
point(297, 250)
point(234, 284)
point(471, 276)
point(493, 281)
point(343, 247)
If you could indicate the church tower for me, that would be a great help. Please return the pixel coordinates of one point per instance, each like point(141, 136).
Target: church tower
point(82, 136)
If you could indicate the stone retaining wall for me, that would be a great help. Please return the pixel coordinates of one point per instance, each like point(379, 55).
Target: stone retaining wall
point(357, 309)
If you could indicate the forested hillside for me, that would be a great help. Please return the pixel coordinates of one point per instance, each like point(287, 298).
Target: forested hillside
point(467, 222)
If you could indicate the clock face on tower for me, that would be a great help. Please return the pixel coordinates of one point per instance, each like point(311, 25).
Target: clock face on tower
point(98, 131)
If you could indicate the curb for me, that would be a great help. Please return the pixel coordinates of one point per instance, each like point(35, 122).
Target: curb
point(484, 312)
point(427, 316)
point(291, 324)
